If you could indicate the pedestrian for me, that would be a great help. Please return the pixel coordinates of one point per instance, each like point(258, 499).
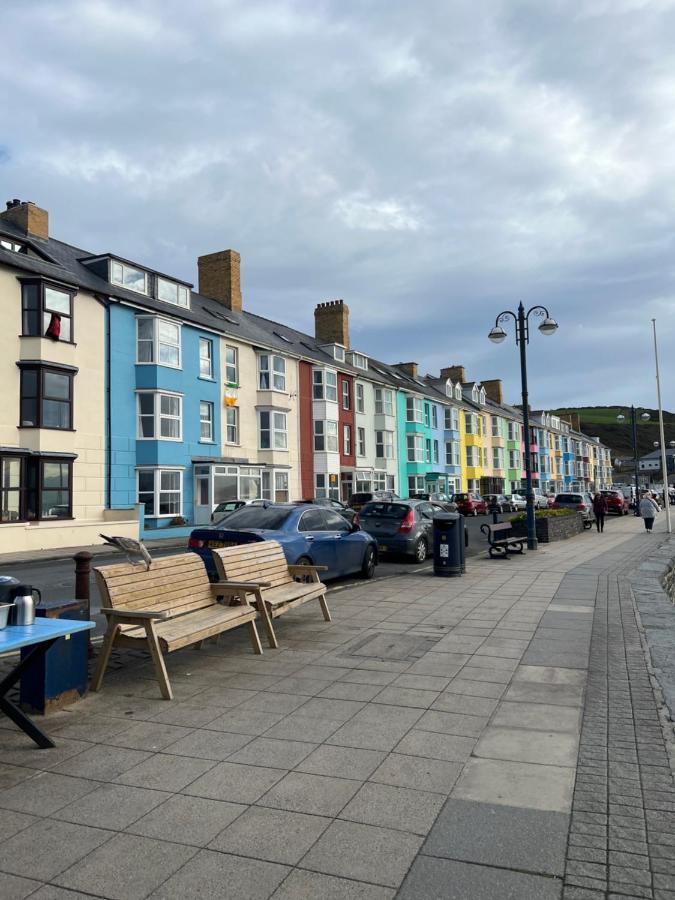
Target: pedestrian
point(649, 509)
point(600, 511)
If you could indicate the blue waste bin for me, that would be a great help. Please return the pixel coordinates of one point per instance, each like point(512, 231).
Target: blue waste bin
point(449, 544)
point(60, 676)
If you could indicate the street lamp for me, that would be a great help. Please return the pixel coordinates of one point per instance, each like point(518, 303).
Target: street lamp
point(636, 465)
point(497, 334)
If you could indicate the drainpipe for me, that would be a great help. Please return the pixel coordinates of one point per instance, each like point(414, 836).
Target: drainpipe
point(105, 301)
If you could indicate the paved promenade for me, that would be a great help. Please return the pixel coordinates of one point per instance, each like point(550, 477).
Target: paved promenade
point(442, 738)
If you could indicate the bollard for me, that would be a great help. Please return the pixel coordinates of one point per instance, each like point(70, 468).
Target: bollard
point(82, 583)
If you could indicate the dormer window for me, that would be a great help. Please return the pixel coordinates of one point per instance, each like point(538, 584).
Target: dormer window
point(358, 360)
point(128, 277)
point(13, 246)
point(339, 353)
point(481, 396)
point(474, 393)
point(449, 388)
point(171, 292)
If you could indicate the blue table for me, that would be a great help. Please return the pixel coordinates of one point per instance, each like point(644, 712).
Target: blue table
point(40, 636)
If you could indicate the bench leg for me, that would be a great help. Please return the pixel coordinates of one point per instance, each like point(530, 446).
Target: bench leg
point(324, 608)
point(266, 617)
point(104, 656)
point(158, 659)
point(255, 640)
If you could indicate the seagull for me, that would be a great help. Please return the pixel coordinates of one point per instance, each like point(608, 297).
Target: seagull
point(135, 551)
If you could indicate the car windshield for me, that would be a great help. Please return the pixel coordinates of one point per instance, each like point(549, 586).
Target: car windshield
point(270, 517)
point(231, 504)
point(360, 498)
point(568, 498)
point(383, 510)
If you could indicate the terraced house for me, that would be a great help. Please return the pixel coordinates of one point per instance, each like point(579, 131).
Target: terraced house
point(136, 403)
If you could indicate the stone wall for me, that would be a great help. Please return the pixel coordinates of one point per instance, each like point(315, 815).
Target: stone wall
point(553, 528)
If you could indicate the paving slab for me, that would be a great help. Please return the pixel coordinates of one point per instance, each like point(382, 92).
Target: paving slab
point(276, 835)
point(320, 795)
point(315, 886)
point(526, 745)
point(520, 784)
point(48, 847)
point(208, 874)
point(187, 820)
point(433, 879)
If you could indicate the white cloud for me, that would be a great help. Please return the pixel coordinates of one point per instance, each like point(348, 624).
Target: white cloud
point(359, 211)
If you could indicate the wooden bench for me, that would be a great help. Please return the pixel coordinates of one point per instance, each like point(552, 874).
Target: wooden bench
point(168, 606)
point(278, 586)
point(501, 541)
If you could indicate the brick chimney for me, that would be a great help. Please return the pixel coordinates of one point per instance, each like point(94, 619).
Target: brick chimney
point(220, 279)
point(455, 374)
point(410, 368)
point(331, 322)
point(493, 389)
point(25, 215)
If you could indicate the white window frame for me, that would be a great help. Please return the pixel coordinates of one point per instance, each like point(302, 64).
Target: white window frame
point(434, 416)
point(276, 431)
point(346, 395)
point(384, 444)
point(496, 425)
point(414, 409)
point(232, 425)
point(415, 448)
point(206, 344)
point(360, 400)
point(276, 377)
point(384, 402)
point(232, 366)
point(126, 267)
point(157, 343)
point(416, 484)
point(206, 406)
point(360, 441)
point(436, 453)
point(158, 416)
point(347, 440)
point(182, 292)
point(325, 436)
point(324, 385)
point(157, 490)
point(497, 458)
point(472, 456)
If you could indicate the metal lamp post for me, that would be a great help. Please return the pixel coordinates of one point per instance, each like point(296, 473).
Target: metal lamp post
point(497, 334)
point(636, 464)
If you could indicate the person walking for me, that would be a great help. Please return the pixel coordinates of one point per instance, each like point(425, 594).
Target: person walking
point(649, 509)
point(600, 511)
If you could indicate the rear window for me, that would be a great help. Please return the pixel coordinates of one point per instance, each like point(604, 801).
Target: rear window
point(271, 517)
point(568, 498)
point(360, 498)
point(383, 510)
point(461, 496)
point(612, 493)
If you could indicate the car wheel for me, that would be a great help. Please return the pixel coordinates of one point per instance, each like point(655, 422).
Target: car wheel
point(420, 550)
point(304, 561)
point(368, 567)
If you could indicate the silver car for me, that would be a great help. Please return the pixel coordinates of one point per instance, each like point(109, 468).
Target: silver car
point(581, 501)
point(400, 526)
point(518, 502)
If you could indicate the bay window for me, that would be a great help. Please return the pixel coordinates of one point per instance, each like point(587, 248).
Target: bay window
point(414, 410)
point(35, 488)
point(384, 402)
point(415, 445)
point(452, 453)
point(473, 456)
point(324, 384)
point(326, 436)
point(159, 416)
point(160, 491)
point(46, 397)
point(273, 430)
point(384, 444)
point(416, 484)
point(497, 458)
point(271, 372)
point(158, 342)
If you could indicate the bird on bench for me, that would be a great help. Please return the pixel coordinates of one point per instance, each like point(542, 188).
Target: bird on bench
point(135, 551)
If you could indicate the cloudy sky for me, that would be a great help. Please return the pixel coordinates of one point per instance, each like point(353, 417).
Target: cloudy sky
point(431, 162)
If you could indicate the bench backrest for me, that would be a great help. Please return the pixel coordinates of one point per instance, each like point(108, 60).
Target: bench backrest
point(500, 526)
point(258, 561)
point(173, 584)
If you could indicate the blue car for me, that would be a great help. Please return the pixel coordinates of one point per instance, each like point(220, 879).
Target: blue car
point(309, 534)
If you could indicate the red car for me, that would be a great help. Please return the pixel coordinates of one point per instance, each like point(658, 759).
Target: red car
point(616, 502)
point(470, 504)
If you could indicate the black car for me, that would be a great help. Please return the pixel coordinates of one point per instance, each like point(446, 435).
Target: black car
point(400, 526)
point(356, 501)
point(499, 503)
point(349, 514)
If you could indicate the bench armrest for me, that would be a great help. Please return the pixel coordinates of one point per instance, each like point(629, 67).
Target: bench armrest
point(222, 586)
point(134, 613)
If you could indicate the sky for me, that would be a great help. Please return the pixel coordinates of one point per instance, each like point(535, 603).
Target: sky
point(432, 163)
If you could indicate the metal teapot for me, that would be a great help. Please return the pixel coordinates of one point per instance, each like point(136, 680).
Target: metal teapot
point(23, 611)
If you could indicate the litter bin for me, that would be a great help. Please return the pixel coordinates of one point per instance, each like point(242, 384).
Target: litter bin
point(449, 544)
point(60, 676)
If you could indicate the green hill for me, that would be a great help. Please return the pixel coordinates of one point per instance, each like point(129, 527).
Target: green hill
point(601, 421)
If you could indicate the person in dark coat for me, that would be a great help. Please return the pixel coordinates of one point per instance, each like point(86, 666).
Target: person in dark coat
point(600, 511)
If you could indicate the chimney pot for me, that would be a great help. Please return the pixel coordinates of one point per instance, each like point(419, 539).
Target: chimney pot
point(410, 368)
point(220, 278)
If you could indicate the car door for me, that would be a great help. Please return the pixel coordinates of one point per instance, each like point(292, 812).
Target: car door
point(319, 540)
point(349, 546)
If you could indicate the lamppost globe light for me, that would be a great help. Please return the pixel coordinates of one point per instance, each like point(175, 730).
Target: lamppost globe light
point(671, 443)
point(656, 444)
point(645, 417)
point(621, 418)
point(497, 334)
point(548, 326)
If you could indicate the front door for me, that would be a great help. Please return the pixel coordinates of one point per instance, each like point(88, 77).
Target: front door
point(203, 503)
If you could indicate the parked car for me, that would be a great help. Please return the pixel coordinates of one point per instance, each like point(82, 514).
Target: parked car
point(499, 503)
point(400, 526)
point(225, 508)
point(583, 502)
point(540, 499)
point(470, 504)
point(356, 501)
point(350, 514)
point(309, 535)
point(444, 501)
point(550, 500)
point(518, 502)
point(616, 502)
